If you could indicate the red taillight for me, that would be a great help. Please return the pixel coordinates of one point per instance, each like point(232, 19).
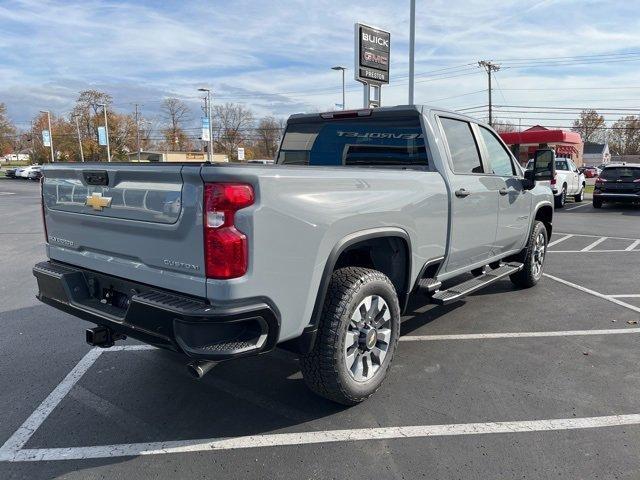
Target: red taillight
point(554, 180)
point(225, 247)
point(600, 180)
point(44, 220)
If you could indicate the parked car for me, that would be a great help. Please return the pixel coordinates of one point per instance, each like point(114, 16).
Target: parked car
point(10, 173)
point(317, 254)
point(591, 172)
point(265, 161)
point(24, 172)
point(568, 182)
point(18, 172)
point(34, 173)
point(617, 183)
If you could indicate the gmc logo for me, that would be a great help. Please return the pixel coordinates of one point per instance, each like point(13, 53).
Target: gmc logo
point(375, 58)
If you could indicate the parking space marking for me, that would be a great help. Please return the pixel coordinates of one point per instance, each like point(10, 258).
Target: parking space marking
point(590, 251)
point(594, 236)
point(594, 244)
point(594, 293)
point(632, 246)
point(577, 206)
point(7, 193)
point(567, 236)
point(316, 437)
point(632, 295)
point(482, 336)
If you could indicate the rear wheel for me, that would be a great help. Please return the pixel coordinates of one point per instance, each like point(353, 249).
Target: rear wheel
point(580, 196)
point(532, 257)
point(357, 336)
point(561, 199)
point(597, 203)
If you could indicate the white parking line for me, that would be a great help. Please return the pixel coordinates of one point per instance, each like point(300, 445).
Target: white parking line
point(594, 244)
point(7, 193)
point(632, 295)
point(316, 437)
point(577, 206)
point(632, 246)
point(594, 293)
point(590, 251)
point(595, 236)
point(562, 239)
point(483, 336)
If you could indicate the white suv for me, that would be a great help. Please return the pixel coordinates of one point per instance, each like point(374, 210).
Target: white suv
point(568, 181)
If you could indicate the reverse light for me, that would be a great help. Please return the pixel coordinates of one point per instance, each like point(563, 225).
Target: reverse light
point(225, 247)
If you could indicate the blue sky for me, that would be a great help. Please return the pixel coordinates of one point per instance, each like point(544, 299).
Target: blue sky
point(276, 55)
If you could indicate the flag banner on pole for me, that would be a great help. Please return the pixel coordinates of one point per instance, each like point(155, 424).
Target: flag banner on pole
point(46, 138)
point(102, 135)
point(241, 154)
point(205, 129)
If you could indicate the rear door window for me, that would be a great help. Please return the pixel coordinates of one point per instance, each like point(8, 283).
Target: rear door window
point(462, 145)
point(365, 141)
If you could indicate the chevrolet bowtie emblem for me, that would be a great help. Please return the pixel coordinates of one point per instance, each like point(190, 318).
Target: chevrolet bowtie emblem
point(97, 201)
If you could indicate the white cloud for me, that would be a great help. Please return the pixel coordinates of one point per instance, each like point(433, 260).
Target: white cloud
point(252, 50)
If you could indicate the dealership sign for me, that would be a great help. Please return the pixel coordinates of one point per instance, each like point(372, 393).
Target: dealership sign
point(373, 47)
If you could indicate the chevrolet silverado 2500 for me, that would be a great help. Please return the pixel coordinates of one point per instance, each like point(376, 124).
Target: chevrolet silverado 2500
point(317, 254)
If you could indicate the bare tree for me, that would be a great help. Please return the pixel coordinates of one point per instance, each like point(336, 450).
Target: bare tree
point(268, 134)
point(504, 127)
point(590, 125)
point(175, 114)
point(234, 123)
point(90, 117)
point(624, 137)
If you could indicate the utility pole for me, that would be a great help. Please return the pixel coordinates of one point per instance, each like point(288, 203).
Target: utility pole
point(137, 132)
point(50, 133)
point(75, 116)
point(489, 67)
point(207, 107)
point(412, 48)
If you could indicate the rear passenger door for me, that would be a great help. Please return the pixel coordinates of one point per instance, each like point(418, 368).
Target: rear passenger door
point(514, 202)
point(474, 200)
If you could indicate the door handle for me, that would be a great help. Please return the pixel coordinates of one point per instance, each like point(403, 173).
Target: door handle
point(503, 191)
point(461, 193)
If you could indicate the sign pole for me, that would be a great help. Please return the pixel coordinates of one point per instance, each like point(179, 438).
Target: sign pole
point(412, 48)
point(50, 136)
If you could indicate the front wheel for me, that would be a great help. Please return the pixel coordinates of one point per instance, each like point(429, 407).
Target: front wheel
point(357, 336)
point(532, 257)
point(580, 196)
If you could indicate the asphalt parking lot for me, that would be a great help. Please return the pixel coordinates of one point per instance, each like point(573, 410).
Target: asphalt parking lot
point(539, 383)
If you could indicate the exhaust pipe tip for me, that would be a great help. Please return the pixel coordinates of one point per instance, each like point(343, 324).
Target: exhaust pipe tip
point(199, 368)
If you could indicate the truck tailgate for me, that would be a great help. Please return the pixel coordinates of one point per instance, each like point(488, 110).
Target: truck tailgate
point(142, 222)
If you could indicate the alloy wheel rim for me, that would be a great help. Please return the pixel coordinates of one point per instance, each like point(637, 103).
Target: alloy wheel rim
point(367, 338)
point(537, 259)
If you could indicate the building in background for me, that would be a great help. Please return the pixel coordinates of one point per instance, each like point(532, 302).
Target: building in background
point(167, 156)
point(15, 157)
point(524, 144)
point(595, 154)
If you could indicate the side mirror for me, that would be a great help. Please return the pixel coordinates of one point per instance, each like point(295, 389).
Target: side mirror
point(529, 180)
point(544, 165)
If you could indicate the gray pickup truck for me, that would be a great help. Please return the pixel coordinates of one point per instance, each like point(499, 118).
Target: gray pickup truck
point(318, 253)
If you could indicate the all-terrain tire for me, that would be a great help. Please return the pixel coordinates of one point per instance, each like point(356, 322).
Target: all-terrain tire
point(324, 368)
point(530, 274)
point(561, 199)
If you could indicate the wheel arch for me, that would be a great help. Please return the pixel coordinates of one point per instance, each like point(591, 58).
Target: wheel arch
point(544, 213)
point(351, 247)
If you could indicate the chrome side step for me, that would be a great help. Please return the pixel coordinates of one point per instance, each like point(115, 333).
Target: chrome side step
point(444, 297)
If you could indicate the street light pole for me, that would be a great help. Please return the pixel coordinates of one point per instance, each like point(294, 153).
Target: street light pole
point(208, 113)
point(342, 69)
point(412, 48)
point(75, 116)
point(50, 133)
point(106, 128)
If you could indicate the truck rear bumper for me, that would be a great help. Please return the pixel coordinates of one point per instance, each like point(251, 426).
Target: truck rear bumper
point(157, 317)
